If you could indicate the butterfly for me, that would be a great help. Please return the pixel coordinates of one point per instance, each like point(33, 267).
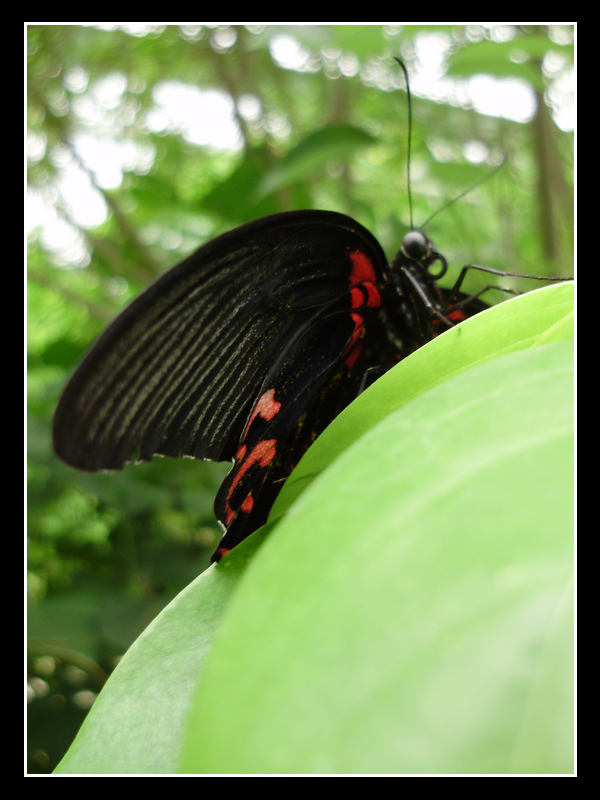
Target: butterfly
point(249, 348)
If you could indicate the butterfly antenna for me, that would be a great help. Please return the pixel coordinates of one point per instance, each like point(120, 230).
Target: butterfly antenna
point(462, 194)
point(404, 70)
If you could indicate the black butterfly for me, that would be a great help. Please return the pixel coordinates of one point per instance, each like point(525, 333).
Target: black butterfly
point(249, 348)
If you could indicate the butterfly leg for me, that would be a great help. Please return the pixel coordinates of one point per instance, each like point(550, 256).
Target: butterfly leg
point(492, 271)
point(369, 375)
point(471, 298)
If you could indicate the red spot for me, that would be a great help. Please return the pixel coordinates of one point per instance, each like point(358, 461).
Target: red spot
point(362, 269)
point(358, 324)
point(266, 408)
point(222, 551)
point(365, 295)
point(263, 453)
point(457, 316)
point(373, 298)
point(354, 354)
point(240, 453)
point(357, 298)
point(246, 506)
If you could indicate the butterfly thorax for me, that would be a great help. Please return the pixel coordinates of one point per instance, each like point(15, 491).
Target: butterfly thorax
point(411, 294)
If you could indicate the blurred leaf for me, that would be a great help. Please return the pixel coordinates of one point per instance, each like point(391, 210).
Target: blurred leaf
point(235, 198)
point(136, 725)
point(73, 619)
point(334, 142)
point(497, 58)
point(63, 353)
point(487, 52)
point(362, 40)
point(464, 175)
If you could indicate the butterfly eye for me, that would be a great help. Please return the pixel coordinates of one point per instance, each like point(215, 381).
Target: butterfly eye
point(415, 245)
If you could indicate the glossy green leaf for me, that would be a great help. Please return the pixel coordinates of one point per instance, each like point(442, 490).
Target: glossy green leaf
point(411, 614)
point(137, 723)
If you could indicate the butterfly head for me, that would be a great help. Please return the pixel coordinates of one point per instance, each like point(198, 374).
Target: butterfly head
point(418, 248)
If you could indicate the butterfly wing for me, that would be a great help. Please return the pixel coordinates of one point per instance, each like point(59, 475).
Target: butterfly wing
point(182, 369)
point(316, 377)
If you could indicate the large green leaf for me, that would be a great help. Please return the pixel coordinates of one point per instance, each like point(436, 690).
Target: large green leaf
point(412, 611)
point(447, 453)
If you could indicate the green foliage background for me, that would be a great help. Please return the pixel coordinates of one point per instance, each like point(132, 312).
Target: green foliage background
point(107, 552)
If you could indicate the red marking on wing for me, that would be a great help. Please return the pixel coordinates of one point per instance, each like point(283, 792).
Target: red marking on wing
point(362, 269)
point(246, 506)
point(263, 453)
point(354, 354)
point(358, 325)
point(240, 453)
point(222, 551)
point(365, 295)
point(357, 298)
point(266, 452)
point(363, 291)
point(266, 408)
point(373, 298)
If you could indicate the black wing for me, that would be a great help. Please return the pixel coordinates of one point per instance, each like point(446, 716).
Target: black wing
point(181, 369)
point(316, 378)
